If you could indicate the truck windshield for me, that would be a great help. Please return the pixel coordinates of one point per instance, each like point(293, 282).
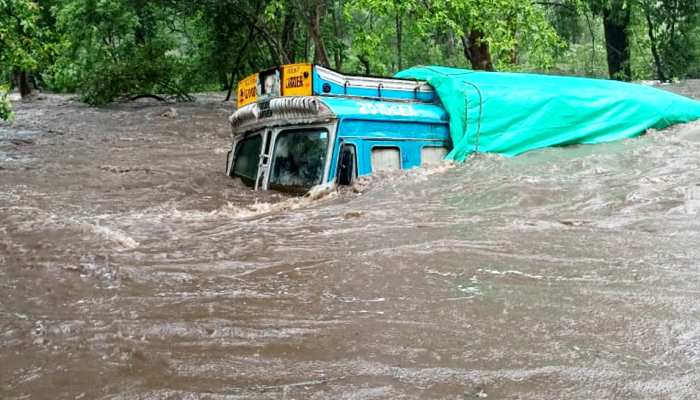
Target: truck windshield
point(247, 157)
point(299, 160)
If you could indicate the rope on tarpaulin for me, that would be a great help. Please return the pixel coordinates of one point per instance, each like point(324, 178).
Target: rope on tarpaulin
point(466, 106)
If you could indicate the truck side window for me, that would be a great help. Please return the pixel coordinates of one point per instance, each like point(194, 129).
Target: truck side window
point(386, 159)
point(347, 164)
point(247, 157)
point(430, 155)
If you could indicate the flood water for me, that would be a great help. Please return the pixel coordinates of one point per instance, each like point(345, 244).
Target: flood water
point(131, 267)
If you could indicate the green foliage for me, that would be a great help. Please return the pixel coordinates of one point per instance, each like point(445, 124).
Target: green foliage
point(21, 45)
point(5, 107)
point(642, 63)
point(119, 49)
point(114, 49)
point(510, 27)
point(583, 59)
point(694, 51)
point(369, 52)
point(18, 33)
point(672, 22)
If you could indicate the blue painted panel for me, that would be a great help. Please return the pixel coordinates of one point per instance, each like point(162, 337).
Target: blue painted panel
point(394, 130)
point(363, 109)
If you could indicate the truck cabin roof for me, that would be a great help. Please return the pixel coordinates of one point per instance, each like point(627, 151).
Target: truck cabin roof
point(303, 93)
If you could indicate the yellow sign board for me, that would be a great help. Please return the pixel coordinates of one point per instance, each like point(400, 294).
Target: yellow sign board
point(247, 90)
point(296, 80)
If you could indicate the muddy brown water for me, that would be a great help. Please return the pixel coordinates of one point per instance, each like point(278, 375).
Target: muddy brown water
point(131, 267)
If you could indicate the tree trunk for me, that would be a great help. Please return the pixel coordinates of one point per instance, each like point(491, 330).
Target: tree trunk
point(615, 22)
point(399, 34)
point(288, 33)
point(276, 49)
point(237, 65)
point(144, 29)
point(339, 32)
point(513, 26)
point(654, 51)
point(320, 54)
point(224, 80)
point(34, 82)
point(23, 81)
point(592, 33)
point(476, 50)
point(365, 62)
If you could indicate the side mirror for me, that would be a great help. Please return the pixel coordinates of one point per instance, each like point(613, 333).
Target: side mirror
point(346, 166)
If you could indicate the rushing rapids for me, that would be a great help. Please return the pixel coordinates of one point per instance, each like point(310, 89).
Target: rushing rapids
point(131, 267)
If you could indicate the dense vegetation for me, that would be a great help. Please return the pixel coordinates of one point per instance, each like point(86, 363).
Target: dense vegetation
point(120, 49)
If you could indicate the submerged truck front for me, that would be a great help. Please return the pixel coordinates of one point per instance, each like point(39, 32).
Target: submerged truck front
point(298, 126)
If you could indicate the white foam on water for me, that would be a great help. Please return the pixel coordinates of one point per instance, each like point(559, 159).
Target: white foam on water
point(116, 236)
point(231, 210)
point(511, 273)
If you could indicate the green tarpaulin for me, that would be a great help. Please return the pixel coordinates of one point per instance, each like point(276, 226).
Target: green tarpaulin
point(511, 113)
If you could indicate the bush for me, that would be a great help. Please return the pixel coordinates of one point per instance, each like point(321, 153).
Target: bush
point(5, 106)
point(119, 51)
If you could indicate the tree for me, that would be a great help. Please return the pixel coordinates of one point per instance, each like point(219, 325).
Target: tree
point(660, 75)
point(313, 12)
point(122, 50)
point(616, 20)
point(227, 39)
point(669, 26)
point(493, 32)
point(21, 47)
point(391, 15)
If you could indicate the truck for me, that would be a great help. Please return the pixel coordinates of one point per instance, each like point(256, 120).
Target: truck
point(302, 125)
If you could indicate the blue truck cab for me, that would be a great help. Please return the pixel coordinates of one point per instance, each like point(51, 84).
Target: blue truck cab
point(302, 125)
